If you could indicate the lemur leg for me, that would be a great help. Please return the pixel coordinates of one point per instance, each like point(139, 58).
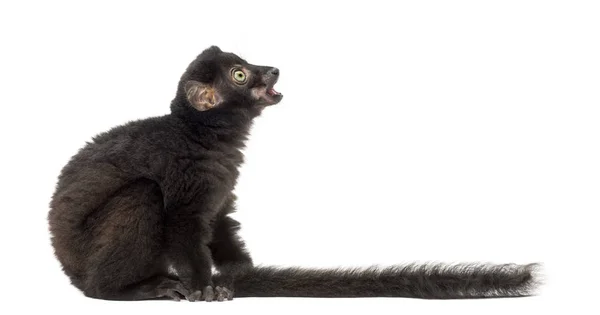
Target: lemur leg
point(190, 256)
point(189, 207)
point(125, 248)
point(229, 255)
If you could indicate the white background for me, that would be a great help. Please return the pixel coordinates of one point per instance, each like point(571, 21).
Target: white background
point(422, 130)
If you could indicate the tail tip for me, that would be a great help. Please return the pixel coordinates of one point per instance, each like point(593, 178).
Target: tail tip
point(534, 279)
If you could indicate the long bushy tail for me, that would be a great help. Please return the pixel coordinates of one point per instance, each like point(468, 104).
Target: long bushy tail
point(428, 281)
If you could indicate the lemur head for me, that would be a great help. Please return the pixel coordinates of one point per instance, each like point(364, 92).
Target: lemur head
point(218, 79)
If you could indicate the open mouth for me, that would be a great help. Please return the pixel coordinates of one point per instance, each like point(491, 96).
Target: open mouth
point(272, 92)
point(268, 95)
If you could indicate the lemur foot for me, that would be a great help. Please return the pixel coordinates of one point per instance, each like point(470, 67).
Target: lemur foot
point(174, 291)
point(207, 294)
point(223, 294)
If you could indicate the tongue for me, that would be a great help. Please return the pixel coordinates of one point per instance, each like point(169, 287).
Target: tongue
point(272, 91)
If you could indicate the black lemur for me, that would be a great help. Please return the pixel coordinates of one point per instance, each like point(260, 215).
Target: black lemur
point(142, 211)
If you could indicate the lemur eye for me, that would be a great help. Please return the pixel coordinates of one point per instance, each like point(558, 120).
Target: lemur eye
point(238, 75)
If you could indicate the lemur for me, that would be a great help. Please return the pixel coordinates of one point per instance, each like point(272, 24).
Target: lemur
point(143, 210)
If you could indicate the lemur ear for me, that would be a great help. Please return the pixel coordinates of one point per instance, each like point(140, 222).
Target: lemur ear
point(201, 96)
point(215, 49)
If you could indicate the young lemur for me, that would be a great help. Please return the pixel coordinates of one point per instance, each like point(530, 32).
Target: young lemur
point(142, 211)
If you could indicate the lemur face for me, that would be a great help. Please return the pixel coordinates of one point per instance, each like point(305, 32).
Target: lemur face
point(218, 78)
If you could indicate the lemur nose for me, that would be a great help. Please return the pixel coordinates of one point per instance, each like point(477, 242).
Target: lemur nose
point(274, 71)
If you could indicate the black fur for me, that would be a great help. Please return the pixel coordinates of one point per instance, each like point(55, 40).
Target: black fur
point(154, 195)
point(428, 281)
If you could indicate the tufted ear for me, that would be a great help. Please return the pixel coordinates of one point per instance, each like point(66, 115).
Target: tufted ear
point(201, 96)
